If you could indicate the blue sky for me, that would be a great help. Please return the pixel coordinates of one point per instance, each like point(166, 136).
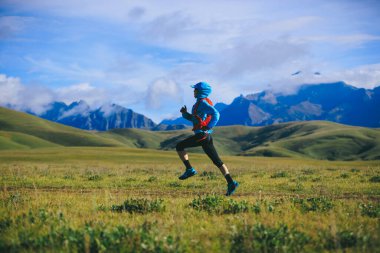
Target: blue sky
point(144, 55)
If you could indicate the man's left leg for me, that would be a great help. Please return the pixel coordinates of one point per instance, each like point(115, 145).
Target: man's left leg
point(208, 147)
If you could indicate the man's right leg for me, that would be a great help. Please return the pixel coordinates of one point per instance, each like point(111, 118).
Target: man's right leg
point(185, 159)
point(183, 155)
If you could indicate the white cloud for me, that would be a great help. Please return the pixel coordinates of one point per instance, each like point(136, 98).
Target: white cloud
point(83, 91)
point(36, 98)
point(73, 70)
point(367, 76)
point(350, 39)
point(251, 58)
point(166, 27)
point(11, 25)
point(81, 109)
point(163, 92)
point(108, 109)
point(105, 67)
point(20, 97)
point(10, 88)
point(136, 13)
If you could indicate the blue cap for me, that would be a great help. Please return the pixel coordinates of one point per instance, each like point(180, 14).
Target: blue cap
point(203, 88)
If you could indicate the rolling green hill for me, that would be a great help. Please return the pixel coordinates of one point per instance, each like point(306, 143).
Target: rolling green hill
point(314, 139)
point(21, 130)
point(308, 139)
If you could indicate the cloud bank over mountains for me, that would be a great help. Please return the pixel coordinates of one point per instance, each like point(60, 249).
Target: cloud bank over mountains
point(36, 99)
point(23, 98)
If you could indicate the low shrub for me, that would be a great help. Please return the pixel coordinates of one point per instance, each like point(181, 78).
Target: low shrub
point(68, 177)
point(219, 205)
point(208, 203)
point(301, 178)
point(94, 177)
point(13, 199)
point(308, 171)
point(321, 204)
point(279, 174)
point(272, 205)
point(195, 186)
point(260, 238)
point(298, 187)
point(55, 235)
point(140, 206)
point(375, 179)
point(233, 206)
point(343, 239)
point(5, 223)
point(371, 210)
point(256, 208)
point(175, 184)
point(210, 175)
point(152, 179)
point(102, 207)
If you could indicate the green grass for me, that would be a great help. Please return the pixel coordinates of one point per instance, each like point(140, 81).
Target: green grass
point(65, 189)
point(112, 199)
point(314, 139)
point(15, 140)
point(48, 133)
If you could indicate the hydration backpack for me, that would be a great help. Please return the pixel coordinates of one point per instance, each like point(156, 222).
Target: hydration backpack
point(201, 123)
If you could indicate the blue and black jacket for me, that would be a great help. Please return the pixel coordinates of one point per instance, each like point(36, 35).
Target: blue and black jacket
point(202, 109)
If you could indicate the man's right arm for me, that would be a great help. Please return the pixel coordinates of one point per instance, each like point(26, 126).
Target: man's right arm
point(185, 114)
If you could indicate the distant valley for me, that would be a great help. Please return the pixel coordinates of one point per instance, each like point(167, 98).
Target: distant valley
point(313, 139)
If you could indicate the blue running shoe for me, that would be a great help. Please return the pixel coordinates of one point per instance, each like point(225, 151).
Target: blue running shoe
point(188, 173)
point(231, 188)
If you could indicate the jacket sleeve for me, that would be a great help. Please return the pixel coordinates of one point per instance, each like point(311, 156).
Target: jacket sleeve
point(210, 110)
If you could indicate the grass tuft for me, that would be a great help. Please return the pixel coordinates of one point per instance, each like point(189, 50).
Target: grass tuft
point(370, 210)
point(219, 205)
point(375, 179)
point(319, 204)
point(141, 205)
point(261, 238)
point(279, 174)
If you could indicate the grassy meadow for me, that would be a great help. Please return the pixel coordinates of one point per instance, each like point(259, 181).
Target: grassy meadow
point(117, 199)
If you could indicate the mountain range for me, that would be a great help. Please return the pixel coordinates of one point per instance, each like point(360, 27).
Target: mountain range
point(336, 102)
point(80, 115)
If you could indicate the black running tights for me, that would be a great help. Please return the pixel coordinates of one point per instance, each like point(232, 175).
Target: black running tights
point(204, 140)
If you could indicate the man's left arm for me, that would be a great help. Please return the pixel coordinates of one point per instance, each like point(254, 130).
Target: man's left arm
point(215, 115)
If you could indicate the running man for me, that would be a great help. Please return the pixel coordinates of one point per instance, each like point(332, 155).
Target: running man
point(204, 117)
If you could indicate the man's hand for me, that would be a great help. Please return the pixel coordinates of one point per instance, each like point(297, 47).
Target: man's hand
point(183, 109)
